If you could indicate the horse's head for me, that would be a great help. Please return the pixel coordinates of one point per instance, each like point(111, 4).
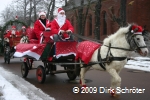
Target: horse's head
point(136, 40)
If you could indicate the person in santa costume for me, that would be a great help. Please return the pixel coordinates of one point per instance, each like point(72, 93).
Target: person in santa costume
point(12, 32)
point(61, 26)
point(41, 25)
point(5, 34)
point(23, 31)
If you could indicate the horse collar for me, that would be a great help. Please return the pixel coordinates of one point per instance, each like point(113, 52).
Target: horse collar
point(109, 57)
point(100, 60)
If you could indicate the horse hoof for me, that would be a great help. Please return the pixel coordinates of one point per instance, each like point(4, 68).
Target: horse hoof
point(112, 94)
point(115, 95)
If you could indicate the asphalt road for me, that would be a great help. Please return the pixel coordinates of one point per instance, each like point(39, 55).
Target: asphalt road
point(59, 87)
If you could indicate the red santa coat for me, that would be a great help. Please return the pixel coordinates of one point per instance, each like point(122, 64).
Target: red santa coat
point(9, 34)
point(39, 27)
point(55, 28)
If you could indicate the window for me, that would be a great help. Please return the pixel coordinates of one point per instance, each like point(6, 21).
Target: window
point(90, 25)
point(104, 23)
point(72, 21)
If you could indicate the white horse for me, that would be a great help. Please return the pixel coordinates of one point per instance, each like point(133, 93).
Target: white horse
point(115, 50)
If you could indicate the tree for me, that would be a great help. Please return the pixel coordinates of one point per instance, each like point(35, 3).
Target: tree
point(97, 19)
point(50, 9)
point(121, 20)
point(81, 16)
point(27, 10)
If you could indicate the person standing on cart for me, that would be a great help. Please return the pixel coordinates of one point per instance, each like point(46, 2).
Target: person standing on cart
point(41, 25)
point(61, 26)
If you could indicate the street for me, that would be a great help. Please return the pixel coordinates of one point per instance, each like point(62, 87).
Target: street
point(59, 87)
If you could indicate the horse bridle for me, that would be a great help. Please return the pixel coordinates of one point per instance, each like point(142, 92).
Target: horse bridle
point(136, 44)
point(109, 57)
point(129, 39)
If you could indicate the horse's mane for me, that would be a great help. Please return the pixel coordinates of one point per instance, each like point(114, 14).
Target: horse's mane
point(117, 35)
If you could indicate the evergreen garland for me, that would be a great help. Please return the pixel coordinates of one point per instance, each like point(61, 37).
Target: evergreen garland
point(3, 30)
point(11, 22)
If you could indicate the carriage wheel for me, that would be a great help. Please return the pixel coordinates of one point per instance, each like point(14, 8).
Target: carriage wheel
point(40, 74)
point(24, 70)
point(71, 74)
point(47, 68)
point(7, 55)
point(8, 61)
point(52, 68)
point(8, 58)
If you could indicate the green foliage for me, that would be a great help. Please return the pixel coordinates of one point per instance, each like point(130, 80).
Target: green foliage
point(11, 22)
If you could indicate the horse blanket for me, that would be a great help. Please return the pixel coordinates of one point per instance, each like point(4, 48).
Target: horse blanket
point(85, 50)
point(32, 50)
point(65, 48)
point(36, 50)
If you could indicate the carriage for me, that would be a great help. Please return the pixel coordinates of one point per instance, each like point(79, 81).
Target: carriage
point(111, 56)
point(51, 52)
point(9, 40)
point(9, 44)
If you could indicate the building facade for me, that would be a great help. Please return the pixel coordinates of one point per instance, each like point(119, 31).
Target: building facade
point(137, 11)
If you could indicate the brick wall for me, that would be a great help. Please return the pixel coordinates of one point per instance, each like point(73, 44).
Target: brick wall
point(137, 12)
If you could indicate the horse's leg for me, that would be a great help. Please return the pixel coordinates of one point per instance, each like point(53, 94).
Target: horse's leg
point(115, 81)
point(82, 75)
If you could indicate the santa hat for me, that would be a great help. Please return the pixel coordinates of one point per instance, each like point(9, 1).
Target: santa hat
point(7, 31)
point(23, 27)
point(13, 27)
point(42, 13)
point(137, 29)
point(60, 10)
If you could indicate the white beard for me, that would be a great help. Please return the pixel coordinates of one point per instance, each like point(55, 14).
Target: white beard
point(61, 19)
point(13, 32)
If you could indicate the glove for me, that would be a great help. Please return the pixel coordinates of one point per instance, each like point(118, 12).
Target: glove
point(68, 31)
point(62, 31)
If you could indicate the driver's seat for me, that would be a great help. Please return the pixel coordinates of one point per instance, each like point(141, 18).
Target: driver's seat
point(57, 37)
point(32, 36)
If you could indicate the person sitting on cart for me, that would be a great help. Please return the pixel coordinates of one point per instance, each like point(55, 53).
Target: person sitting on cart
point(41, 25)
point(12, 32)
point(23, 31)
point(61, 26)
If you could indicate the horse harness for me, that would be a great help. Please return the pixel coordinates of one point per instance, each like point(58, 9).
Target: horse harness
point(110, 58)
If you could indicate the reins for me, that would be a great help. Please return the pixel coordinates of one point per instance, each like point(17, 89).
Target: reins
point(119, 48)
point(86, 38)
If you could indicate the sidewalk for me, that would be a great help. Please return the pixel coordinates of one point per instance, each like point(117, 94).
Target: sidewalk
point(13, 87)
